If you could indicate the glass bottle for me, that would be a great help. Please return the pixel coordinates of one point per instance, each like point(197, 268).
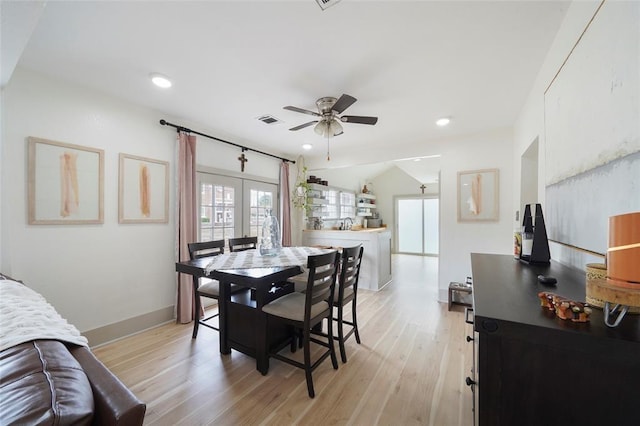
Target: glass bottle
point(270, 243)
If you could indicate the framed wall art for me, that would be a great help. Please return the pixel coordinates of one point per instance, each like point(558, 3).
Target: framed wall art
point(478, 195)
point(65, 183)
point(143, 190)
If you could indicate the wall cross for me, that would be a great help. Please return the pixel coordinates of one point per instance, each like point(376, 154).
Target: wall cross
point(423, 187)
point(242, 160)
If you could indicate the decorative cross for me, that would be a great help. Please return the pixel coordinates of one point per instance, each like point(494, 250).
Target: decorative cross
point(423, 187)
point(242, 160)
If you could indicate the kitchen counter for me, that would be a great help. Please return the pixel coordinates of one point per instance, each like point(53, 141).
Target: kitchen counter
point(375, 271)
point(381, 229)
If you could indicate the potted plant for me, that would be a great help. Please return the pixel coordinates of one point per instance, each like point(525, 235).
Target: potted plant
point(300, 191)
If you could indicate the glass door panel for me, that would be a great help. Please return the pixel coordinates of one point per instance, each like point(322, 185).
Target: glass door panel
point(259, 199)
point(233, 207)
point(418, 225)
point(409, 221)
point(220, 207)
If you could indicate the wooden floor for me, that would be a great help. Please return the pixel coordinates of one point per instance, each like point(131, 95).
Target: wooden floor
point(409, 369)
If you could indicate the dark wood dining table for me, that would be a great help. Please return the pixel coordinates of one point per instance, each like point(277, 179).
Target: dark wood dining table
point(242, 323)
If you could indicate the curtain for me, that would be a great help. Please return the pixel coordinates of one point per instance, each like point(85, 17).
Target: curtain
point(186, 225)
point(285, 204)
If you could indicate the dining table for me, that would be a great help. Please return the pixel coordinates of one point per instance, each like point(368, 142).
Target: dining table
point(243, 326)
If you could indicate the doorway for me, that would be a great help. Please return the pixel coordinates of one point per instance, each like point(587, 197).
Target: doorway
point(233, 207)
point(417, 222)
point(529, 176)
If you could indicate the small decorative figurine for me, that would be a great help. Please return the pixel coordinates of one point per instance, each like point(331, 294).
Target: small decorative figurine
point(565, 308)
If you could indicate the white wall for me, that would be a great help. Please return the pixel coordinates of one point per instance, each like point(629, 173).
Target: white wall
point(390, 183)
point(93, 274)
point(459, 240)
point(531, 121)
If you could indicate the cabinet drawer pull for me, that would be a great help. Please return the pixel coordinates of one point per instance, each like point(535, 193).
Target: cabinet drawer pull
point(469, 381)
point(469, 339)
point(467, 319)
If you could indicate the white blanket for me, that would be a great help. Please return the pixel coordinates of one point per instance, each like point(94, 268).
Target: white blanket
point(25, 315)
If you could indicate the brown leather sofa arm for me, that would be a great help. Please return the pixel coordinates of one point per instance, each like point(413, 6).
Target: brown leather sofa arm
point(115, 404)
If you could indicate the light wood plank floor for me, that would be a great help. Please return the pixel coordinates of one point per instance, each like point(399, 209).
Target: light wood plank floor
point(409, 369)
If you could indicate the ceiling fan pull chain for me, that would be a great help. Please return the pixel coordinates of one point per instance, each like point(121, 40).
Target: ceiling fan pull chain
point(328, 157)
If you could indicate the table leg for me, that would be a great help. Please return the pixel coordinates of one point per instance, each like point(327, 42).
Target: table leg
point(262, 338)
point(223, 303)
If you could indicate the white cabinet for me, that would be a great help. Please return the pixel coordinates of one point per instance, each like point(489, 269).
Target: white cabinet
point(375, 271)
point(384, 256)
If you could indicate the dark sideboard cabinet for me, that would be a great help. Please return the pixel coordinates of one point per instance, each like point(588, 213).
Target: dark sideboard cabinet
point(532, 368)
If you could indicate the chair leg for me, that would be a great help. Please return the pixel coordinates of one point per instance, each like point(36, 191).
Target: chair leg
point(355, 320)
point(294, 339)
point(332, 348)
point(343, 352)
point(307, 363)
point(196, 319)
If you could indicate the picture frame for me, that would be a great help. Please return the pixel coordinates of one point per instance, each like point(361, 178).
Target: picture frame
point(478, 195)
point(143, 190)
point(65, 183)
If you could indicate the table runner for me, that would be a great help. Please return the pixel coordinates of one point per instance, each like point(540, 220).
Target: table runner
point(248, 259)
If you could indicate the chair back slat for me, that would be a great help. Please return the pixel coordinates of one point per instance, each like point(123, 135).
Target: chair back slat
point(242, 243)
point(350, 269)
point(205, 249)
point(323, 270)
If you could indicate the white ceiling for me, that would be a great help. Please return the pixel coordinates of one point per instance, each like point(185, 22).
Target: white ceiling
point(407, 62)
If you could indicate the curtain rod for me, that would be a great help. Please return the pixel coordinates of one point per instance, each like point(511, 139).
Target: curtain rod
point(244, 148)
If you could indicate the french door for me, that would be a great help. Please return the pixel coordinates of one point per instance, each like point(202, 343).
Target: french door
point(417, 225)
point(233, 207)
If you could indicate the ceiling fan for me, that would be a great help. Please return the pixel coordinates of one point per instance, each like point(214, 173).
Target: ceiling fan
point(329, 118)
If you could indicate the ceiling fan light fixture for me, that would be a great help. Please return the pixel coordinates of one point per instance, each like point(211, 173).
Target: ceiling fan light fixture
point(307, 146)
point(335, 128)
point(321, 128)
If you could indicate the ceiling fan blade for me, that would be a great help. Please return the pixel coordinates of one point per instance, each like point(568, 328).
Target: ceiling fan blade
point(302, 126)
point(343, 103)
point(358, 119)
point(304, 111)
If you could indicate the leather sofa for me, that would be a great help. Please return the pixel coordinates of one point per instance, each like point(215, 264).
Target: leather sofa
point(45, 381)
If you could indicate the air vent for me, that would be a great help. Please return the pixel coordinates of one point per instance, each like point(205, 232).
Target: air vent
point(269, 119)
point(324, 4)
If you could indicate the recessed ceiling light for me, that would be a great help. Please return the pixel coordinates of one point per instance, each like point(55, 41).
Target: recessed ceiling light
point(443, 121)
point(160, 80)
point(307, 146)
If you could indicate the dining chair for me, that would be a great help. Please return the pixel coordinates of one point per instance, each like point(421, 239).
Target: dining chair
point(205, 287)
point(300, 281)
point(347, 292)
point(242, 243)
point(304, 311)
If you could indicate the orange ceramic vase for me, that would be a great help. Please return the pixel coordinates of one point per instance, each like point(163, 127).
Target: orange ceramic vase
point(623, 256)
